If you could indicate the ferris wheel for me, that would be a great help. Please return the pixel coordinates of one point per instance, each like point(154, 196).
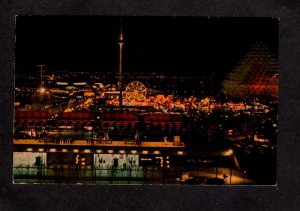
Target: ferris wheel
point(135, 91)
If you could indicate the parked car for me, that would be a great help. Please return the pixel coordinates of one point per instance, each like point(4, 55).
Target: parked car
point(194, 181)
point(215, 181)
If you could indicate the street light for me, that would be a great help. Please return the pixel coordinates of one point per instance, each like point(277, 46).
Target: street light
point(133, 151)
point(180, 152)
point(42, 90)
point(228, 152)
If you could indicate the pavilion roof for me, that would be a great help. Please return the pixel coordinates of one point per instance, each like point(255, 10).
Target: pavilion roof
point(76, 116)
point(119, 116)
point(31, 115)
point(163, 118)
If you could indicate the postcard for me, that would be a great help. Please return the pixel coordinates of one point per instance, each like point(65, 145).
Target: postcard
point(145, 100)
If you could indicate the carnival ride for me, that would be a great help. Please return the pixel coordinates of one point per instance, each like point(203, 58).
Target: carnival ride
point(135, 91)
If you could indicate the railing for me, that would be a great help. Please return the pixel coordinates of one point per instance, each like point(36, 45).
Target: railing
point(91, 175)
point(98, 142)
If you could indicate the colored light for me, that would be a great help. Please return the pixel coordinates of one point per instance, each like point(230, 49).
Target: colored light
point(228, 152)
point(42, 90)
point(133, 151)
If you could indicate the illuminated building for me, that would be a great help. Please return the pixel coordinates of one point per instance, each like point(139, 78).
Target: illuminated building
point(254, 76)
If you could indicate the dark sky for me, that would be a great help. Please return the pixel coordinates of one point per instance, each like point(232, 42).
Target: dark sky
point(155, 44)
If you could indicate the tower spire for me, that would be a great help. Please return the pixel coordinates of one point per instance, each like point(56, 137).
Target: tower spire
point(120, 63)
point(41, 66)
point(121, 30)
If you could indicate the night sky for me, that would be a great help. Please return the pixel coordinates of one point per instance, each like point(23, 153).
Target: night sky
point(181, 45)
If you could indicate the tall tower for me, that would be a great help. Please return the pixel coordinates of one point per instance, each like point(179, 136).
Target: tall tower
point(120, 65)
point(41, 66)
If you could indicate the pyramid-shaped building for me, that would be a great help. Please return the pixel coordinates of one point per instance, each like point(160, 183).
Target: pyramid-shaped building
point(255, 76)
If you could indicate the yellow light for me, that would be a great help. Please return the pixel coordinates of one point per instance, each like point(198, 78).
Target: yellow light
point(77, 159)
point(87, 150)
point(228, 152)
point(75, 150)
point(110, 151)
point(145, 152)
point(41, 150)
point(168, 166)
point(156, 152)
point(29, 149)
point(42, 90)
point(122, 151)
point(64, 150)
point(98, 150)
point(167, 162)
point(180, 152)
point(52, 150)
point(133, 151)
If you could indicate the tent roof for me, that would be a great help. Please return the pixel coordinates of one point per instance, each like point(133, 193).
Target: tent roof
point(119, 116)
point(31, 115)
point(163, 118)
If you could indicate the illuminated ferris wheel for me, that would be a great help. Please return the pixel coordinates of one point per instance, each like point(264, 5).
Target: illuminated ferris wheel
point(135, 91)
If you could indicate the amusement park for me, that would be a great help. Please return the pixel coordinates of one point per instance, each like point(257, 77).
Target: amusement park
point(146, 127)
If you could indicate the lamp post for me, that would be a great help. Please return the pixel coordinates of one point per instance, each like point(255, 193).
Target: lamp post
point(230, 175)
point(245, 172)
point(120, 66)
point(41, 89)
